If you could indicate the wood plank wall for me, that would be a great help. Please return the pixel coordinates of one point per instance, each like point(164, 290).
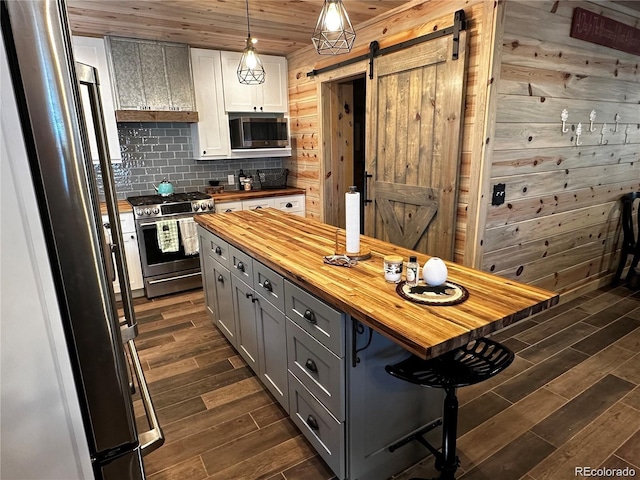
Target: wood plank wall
point(414, 19)
point(559, 226)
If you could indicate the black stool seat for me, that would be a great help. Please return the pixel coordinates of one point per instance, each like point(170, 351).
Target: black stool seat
point(473, 363)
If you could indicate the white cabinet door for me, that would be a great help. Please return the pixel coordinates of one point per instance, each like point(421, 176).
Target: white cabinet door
point(211, 134)
point(92, 51)
point(131, 252)
point(269, 97)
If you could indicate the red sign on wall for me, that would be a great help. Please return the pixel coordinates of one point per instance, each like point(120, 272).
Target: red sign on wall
point(595, 28)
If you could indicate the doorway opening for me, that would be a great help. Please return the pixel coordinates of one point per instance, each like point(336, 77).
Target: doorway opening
point(344, 118)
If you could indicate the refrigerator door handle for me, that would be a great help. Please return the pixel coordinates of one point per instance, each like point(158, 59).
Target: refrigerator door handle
point(153, 438)
point(88, 76)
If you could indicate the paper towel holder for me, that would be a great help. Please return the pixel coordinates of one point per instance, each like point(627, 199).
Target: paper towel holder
point(341, 249)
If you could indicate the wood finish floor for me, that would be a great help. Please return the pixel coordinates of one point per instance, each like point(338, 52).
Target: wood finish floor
point(570, 399)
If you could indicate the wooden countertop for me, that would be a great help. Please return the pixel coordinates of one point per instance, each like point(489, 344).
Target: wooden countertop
point(294, 246)
point(123, 207)
point(234, 195)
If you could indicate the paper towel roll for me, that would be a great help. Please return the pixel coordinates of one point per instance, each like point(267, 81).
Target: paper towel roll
point(352, 207)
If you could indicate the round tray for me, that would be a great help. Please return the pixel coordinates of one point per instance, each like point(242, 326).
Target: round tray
point(446, 294)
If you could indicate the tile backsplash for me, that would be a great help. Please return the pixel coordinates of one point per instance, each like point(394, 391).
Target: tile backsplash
point(152, 152)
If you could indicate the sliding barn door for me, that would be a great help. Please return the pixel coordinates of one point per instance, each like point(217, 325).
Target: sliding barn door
point(413, 150)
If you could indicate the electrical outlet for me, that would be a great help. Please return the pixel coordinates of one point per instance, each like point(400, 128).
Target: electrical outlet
point(231, 179)
point(498, 194)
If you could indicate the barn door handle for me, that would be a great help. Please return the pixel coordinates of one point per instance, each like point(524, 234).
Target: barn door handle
point(367, 176)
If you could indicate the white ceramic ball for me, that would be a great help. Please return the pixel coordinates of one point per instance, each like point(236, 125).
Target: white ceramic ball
point(434, 272)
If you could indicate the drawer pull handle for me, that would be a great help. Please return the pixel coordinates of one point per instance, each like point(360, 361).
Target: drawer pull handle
point(228, 210)
point(220, 278)
point(309, 316)
point(312, 422)
point(249, 295)
point(240, 266)
point(311, 366)
point(218, 251)
point(289, 205)
point(267, 286)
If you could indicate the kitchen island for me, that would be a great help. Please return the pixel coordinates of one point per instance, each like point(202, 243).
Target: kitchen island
point(319, 335)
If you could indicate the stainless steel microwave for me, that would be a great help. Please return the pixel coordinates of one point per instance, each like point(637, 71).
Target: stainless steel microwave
point(259, 132)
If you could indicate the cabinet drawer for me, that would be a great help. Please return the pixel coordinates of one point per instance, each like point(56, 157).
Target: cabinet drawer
point(315, 317)
point(257, 203)
point(292, 204)
point(317, 368)
point(220, 250)
point(225, 207)
point(269, 284)
point(323, 431)
point(241, 265)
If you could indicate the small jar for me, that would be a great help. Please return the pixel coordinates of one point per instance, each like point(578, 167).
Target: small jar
point(393, 268)
point(412, 271)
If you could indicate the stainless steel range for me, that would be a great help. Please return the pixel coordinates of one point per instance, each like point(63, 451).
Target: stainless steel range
point(165, 237)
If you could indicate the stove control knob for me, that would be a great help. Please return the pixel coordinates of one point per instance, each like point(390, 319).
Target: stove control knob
point(156, 211)
point(196, 207)
point(147, 211)
point(210, 206)
point(139, 212)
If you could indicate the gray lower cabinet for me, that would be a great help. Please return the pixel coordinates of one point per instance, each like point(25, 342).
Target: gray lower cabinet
point(325, 368)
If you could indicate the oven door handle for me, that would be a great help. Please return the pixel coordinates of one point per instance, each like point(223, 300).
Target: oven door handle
point(177, 277)
point(153, 438)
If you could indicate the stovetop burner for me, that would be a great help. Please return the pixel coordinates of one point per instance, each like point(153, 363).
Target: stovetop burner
point(159, 200)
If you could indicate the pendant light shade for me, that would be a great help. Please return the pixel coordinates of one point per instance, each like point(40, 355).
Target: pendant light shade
point(334, 33)
point(250, 71)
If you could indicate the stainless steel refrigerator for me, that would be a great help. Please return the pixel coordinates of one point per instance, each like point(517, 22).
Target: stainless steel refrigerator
point(57, 199)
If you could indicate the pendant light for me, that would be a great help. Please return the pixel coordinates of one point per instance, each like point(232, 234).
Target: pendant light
point(250, 70)
point(334, 33)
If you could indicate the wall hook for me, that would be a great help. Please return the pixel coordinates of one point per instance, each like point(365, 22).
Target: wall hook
point(592, 118)
point(578, 133)
point(602, 132)
point(564, 116)
point(617, 119)
point(626, 133)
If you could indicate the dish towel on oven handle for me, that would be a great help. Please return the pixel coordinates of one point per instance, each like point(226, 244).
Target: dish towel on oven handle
point(189, 234)
point(167, 232)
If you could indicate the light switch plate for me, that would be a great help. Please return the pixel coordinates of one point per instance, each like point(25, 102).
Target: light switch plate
point(231, 179)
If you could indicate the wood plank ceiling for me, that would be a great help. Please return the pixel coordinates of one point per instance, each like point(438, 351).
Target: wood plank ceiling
point(281, 26)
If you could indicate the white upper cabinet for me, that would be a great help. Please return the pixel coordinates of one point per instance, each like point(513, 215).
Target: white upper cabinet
point(92, 51)
point(269, 97)
point(211, 134)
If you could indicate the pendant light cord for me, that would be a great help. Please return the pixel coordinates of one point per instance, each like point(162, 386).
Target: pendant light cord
point(248, 28)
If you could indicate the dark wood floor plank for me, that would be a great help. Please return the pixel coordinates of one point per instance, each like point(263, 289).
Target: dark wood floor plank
point(170, 369)
point(513, 330)
point(592, 446)
point(607, 335)
point(592, 370)
point(154, 341)
point(480, 410)
point(558, 310)
point(180, 410)
point(606, 316)
point(215, 416)
point(311, 469)
point(513, 460)
point(232, 393)
point(556, 342)
point(568, 420)
point(268, 415)
point(244, 448)
point(169, 397)
point(544, 330)
point(630, 370)
point(225, 352)
point(630, 451)
point(506, 426)
point(630, 341)
point(633, 399)
point(179, 351)
point(466, 394)
point(186, 378)
point(514, 344)
point(191, 469)
point(616, 463)
point(266, 463)
point(187, 447)
point(599, 303)
point(535, 377)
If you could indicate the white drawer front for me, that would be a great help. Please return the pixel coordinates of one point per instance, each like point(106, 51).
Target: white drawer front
point(224, 207)
point(257, 203)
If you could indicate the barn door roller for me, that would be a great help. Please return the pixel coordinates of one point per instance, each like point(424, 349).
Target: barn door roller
point(460, 23)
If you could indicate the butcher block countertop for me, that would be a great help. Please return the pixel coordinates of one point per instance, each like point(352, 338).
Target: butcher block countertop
point(235, 195)
point(123, 207)
point(294, 247)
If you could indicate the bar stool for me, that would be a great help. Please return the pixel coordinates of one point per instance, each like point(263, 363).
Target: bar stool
point(473, 363)
point(630, 239)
